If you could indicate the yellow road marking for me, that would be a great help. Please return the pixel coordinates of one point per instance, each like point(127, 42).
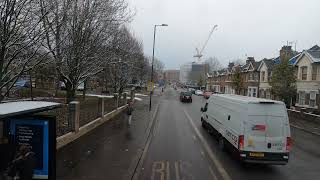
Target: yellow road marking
point(168, 171)
point(217, 163)
point(146, 148)
point(160, 170)
point(176, 164)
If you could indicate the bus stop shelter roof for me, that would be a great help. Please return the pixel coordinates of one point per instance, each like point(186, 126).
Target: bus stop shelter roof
point(25, 107)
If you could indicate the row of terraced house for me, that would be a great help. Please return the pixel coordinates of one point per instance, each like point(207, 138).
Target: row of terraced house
point(257, 76)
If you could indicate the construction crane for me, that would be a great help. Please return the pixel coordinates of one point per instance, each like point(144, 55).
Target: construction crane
point(199, 53)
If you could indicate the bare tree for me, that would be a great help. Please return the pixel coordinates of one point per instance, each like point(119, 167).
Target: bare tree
point(158, 67)
point(127, 57)
point(20, 39)
point(142, 70)
point(78, 35)
point(238, 62)
point(214, 64)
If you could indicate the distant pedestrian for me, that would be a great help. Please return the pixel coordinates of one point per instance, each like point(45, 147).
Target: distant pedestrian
point(22, 166)
point(129, 112)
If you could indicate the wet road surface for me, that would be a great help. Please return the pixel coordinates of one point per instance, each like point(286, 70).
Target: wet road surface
point(181, 150)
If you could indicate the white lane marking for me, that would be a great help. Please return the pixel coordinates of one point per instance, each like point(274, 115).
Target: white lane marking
point(217, 163)
point(202, 153)
point(212, 174)
point(176, 164)
point(194, 137)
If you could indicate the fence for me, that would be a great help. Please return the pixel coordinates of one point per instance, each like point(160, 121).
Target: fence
point(88, 110)
point(83, 111)
point(61, 120)
point(296, 115)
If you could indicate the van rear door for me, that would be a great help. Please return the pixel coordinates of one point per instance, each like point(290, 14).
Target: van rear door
point(265, 128)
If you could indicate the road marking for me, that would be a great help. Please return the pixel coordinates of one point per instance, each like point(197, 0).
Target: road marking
point(168, 171)
point(194, 137)
point(160, 170)
point(219, 166)
point(202, 153)
point(176, 164)
point(305, 130)
point(212, 174)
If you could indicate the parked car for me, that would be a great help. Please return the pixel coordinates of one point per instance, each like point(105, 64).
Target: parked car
point(81, 87)
point(186, 97)
point(62, 86)
point(207, 94)
point(192, 90)
point(255, 129)
point(199, 93)
point(22, 83)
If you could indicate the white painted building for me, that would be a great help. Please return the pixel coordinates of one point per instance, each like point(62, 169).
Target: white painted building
point(308, 78)
point(265, 70)
point(185, 70)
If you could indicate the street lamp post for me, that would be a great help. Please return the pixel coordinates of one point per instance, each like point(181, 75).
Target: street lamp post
point(154, 41)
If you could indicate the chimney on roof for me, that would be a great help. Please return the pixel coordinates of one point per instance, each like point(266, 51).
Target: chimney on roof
point(231, 64)
point(250, 60)
point(286, 53)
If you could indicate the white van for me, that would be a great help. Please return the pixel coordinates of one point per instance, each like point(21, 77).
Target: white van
point(256, 129)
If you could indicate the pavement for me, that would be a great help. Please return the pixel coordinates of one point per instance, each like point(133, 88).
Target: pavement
point(112, 150)
point(177, 148)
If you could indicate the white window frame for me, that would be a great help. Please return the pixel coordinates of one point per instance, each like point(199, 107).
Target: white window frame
point(314, 73)
point(313, 99)
point(263, 76)
point(302, 98)
point(256, 77)
point(250, 76)
point(250, 91)
point(306, 77)
point(268, 95)
point(216, 88)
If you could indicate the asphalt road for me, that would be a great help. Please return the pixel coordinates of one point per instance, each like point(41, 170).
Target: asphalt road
point(179, 149)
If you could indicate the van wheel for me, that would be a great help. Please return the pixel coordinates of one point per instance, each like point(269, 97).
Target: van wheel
point(222, 145)
point(203, 124)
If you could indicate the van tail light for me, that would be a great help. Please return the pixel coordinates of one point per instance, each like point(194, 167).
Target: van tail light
point(259, 127)
point(289, 144)
point(241, 142)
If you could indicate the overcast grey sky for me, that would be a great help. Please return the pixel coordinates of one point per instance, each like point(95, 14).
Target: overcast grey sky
point(254, 27)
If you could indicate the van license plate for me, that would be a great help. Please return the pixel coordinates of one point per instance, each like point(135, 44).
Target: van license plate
point(256, 154)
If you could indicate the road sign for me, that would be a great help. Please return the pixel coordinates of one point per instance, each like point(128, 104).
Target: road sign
point(150, 86)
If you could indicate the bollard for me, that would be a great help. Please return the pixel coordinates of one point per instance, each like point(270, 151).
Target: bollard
point(116, 100)
point(101, 107)
point(74, 116)
point(125, 98)
point(132, 95)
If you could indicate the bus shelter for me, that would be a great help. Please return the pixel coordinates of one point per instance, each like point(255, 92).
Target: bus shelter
point(26, 123)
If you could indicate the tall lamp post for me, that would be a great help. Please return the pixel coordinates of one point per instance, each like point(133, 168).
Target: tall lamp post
point(154, 40)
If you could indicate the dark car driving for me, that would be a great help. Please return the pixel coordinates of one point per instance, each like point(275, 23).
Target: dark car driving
point(186, 97)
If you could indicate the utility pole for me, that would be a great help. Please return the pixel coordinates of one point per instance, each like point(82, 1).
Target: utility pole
point(154, 41)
